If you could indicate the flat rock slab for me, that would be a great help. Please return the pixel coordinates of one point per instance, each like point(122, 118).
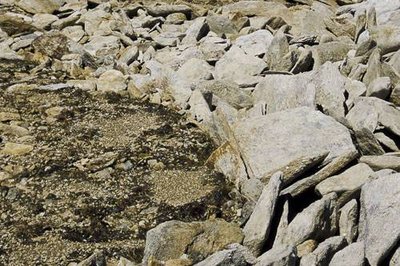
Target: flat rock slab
point(271, 142)
point(380, 210)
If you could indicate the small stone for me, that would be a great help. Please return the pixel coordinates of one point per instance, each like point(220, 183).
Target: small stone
point(306, 247)
point(16, 149)
point(380, 88)
point(278, 256)
point(324, 252)
point(352, 255)
point(348, 221)
point(382, 162)
point(111, 80)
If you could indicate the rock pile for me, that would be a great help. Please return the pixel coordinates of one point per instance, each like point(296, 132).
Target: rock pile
point(302, 98)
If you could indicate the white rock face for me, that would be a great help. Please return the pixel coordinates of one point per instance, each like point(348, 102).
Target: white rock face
point(111, 80)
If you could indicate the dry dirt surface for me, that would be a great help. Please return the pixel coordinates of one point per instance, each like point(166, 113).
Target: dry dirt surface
point(94, 171)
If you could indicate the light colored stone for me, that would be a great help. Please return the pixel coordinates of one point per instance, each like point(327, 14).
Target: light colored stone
point(111, 80)
point(382, 162)
point(235, 254)
point(172, 239)
point(306, 247)
point(324, 252)
point(352, 255)
point(100, 46)
point(386, 141)
point(256, 43)
point(196, 31)
point(39, 6)
point(395, 260)
point(317, 221)
point(43, 21)
point(380, 88)
point(348, 221)
point(16, 149)
point(278, 256)
point(387, 37)
point(351, 179)
point(378, 217)
point(257, 228)
point(291, 131)
point(245, 73)
point(331, 51)
point(165, 10)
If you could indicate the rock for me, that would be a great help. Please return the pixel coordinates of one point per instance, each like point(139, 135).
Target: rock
point(352, 255)
point(196, 31)
point(228, 91)
point(382, 162)
point(101, 46)
point(323, 254)
point(74, 33)
point(86, 85)
point(351, 179)
point(213, 48)
point(395, 260)
point(380, 88)
point(125, 262)
point(279, 57)
point(54, 45)
point(355, 89)
point(257, 228)
point(387, 37)
point(369, 111)
point(324, 88)
point(330, 52)
point(291, 128)
point(176, 18)
point(129, 55)
point(282, 226)
point(304, 63)
point(256, 43)
point(111, 80)
point(395, 96)
point(220, 24)
point(39, 6)
point(168, 39)
point(14, 130)
point(386, 141)
point(374, 69)
point(309, 182)
point(306, 247)
point(348, 221)
point(245, 73)
point(9, 116)
point(7, 53)
point(97, 259)
point(317, 221)
point(278, 256)
point(43, 21)
point(165, 10)
point(367, 144)
point(172, 239)
point(16, 149)
point(235, 254)
point(379, 215)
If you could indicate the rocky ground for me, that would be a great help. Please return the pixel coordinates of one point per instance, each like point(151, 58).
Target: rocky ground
point(199, 132)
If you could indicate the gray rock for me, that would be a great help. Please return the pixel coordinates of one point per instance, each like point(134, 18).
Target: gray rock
point(252, 189)
point(279, 256)
point(386, 141)
point(172, 239)
point(317, 221)
point(367, 144)
point(165, 10)
point(279, 56)
point(291, 128)
point(395, 96)
point(374, 69)
point(129, 54)
point(256, 43)
point(97, 259)
point(379, 215)
point(352, 255)
point(323, 254)
point(387, 37)
point(395, 260)
point(333, 167)
point(369, 111)
point(382, 162)
point(168, 39)
point(355, 89)
point(214, 48)
point(39, 6)
point(282, 226)
point(176, 18)
point(75, 33)
point(245, 73)
point(196, 31)
point(380, 88)
point(348, 221)
point(43, 21)
point(220, 24)
point(304, 63)
point(101, 46)
point(112, 80)
point(228, 91)
point(351, 179)
point(235, 254)
point(257, 228)
point(331, 51)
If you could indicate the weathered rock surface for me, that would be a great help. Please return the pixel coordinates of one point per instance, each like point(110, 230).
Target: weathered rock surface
point(352, 255)
point(324, 252)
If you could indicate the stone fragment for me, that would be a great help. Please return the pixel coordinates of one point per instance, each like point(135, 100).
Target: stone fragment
point(165, 10)
point(39, 6)
point(331, 51)
point(256, 43)
point(235, 254)
point(257, 228)
point(306, 247)
point(386, 141)
point(16, 149)
point(379, 87)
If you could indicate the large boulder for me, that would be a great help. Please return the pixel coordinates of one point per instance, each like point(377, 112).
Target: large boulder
point(39, 6)
point(273, 141)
